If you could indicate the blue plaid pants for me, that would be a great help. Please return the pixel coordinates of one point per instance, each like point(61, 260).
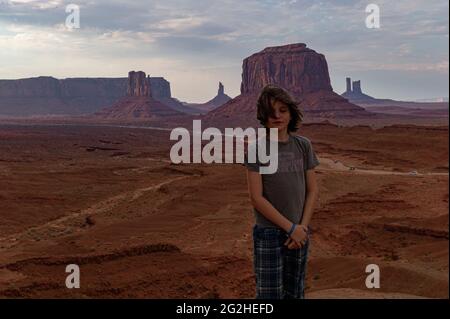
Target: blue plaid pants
point(279, 271)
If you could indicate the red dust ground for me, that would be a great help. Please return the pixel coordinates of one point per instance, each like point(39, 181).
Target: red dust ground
point(109, 200)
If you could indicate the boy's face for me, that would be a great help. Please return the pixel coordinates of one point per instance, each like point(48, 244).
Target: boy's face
point(280, 117)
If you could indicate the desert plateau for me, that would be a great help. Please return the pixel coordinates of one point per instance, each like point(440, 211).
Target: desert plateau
point(109, 199)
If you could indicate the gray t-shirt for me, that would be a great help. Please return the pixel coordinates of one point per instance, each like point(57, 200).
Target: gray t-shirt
point(286, 188)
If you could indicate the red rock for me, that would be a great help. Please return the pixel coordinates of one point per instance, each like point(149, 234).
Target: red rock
point(354, 94)
point(138, 84)
point(294, 67)
point(220, 99)
point(72, 96)
point(139, 102)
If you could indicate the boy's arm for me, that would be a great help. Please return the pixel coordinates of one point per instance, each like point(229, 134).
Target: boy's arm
point(312, 191)
point(255, 189)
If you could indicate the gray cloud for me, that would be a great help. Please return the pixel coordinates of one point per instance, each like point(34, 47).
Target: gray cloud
point(201, 35)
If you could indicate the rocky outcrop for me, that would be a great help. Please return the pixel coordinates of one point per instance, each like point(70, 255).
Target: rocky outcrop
point(357, 87)
point(160, 88)
point(393, 107)
point(296, 68)
point(43, 86)
point(349, 85)
point(138, 104)
point(138, 84)
point(354, 93)
point(46, 95)
point(221, 90)
point(220, 99)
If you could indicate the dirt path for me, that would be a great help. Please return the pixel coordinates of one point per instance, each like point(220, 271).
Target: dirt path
point(331, 165)
point(62, 225)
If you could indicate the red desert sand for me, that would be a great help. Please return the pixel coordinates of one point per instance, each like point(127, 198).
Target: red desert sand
point(109, 200)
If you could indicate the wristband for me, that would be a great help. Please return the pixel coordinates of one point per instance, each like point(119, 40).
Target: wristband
point(292, 229)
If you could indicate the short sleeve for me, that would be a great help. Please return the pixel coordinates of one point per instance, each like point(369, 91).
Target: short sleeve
point(251, 165)
point(311, 157)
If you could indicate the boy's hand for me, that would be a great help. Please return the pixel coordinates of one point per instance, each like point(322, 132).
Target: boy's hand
point(298, 237)
point(291, 244)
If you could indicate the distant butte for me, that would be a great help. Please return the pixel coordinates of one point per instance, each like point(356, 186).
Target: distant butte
point(298, 69)
point(138, 104)
point(45, 95)
point(391, 107)
point(220, 99)
point(354, 93)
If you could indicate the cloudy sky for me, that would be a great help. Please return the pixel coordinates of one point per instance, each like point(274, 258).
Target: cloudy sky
point(197, 43)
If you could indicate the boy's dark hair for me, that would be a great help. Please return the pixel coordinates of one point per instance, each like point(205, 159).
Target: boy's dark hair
point(271, 93)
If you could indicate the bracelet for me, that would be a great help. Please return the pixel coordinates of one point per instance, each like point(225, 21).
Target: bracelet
point(292, 229)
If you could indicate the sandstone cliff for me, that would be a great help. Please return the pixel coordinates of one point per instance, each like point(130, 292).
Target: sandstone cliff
point(46, 95)
point(138, 84)
point(294, 67)
point(298, 69)
point(354, 93)
point(220, 99)
point(138, 103)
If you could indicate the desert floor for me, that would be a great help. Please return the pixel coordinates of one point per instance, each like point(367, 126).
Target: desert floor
point(109, 200)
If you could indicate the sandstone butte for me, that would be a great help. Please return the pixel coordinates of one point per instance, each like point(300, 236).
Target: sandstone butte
point(301, 71)
point(138, 103)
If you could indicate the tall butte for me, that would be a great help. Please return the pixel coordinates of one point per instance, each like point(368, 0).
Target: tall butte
point(138, 103)
point(138, 84)
point(301, 71)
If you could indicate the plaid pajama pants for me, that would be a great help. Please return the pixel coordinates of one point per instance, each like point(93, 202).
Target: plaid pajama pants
point(279, 271)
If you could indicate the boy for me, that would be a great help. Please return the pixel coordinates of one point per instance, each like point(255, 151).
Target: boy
point(282, 202)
